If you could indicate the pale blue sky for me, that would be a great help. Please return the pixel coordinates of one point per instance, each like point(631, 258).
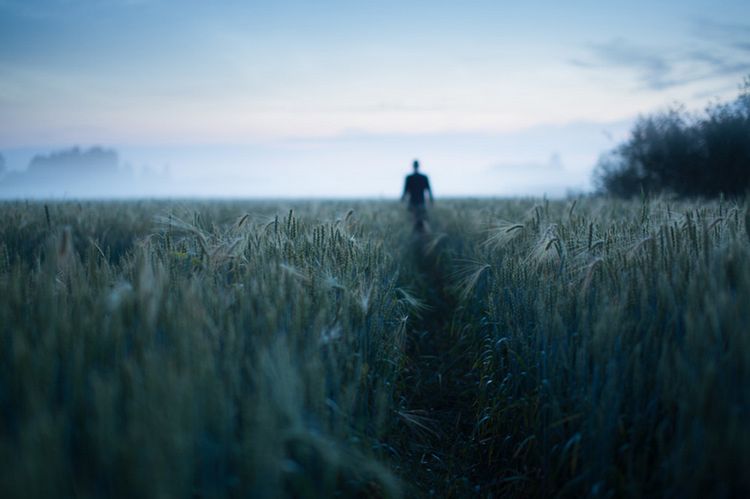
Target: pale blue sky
point(518, 98)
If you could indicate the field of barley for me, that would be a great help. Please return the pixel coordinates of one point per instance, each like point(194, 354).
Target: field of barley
point(517, 348)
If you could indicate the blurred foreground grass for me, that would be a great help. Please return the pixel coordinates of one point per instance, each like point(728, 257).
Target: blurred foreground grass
point(155, 349)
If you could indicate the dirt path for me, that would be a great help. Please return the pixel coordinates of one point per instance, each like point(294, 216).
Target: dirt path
point(440, 457)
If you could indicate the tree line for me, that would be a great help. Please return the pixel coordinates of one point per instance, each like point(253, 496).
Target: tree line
point(687, 154)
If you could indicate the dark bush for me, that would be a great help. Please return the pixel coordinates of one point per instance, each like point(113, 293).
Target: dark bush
point(682, 153)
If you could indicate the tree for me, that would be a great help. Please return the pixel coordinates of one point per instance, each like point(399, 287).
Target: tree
point(689, 155)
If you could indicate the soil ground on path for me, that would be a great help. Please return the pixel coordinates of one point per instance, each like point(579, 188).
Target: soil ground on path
point(441, 457)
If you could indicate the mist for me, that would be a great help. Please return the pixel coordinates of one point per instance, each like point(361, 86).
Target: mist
point(545, 160)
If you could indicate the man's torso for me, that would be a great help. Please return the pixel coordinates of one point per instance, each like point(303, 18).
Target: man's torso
point(416, 183)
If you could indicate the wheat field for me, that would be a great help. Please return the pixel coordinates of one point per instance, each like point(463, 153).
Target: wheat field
point(518, 348)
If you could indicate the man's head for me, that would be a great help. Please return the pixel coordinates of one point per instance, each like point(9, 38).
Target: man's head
point(416, 165)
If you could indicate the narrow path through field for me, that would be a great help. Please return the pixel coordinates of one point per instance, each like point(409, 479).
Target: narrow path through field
point(441, 457)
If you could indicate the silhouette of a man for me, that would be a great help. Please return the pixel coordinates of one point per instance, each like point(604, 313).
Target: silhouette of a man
point(415, 187)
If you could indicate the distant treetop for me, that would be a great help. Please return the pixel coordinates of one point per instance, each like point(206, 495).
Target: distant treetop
point(96, 160)
point(682, 153)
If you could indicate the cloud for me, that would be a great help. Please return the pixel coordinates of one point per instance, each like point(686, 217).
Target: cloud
point(724, 32)
point(717, 51)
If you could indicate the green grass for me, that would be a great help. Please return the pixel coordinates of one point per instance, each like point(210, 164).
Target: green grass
point(521, 348)
point(612, 341)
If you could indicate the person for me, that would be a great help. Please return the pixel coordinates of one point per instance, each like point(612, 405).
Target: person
point(415, 186)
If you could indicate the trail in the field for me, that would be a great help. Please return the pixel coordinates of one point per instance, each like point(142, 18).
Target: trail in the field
point(441, 458)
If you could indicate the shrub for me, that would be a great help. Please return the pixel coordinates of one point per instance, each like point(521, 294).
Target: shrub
point(677, 152)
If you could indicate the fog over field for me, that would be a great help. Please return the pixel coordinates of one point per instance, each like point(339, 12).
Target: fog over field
point(541, 160)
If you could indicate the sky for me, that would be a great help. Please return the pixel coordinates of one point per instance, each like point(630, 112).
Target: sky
point(336, 98)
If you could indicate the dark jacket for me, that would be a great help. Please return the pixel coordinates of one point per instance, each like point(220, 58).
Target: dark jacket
point(415, 185)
